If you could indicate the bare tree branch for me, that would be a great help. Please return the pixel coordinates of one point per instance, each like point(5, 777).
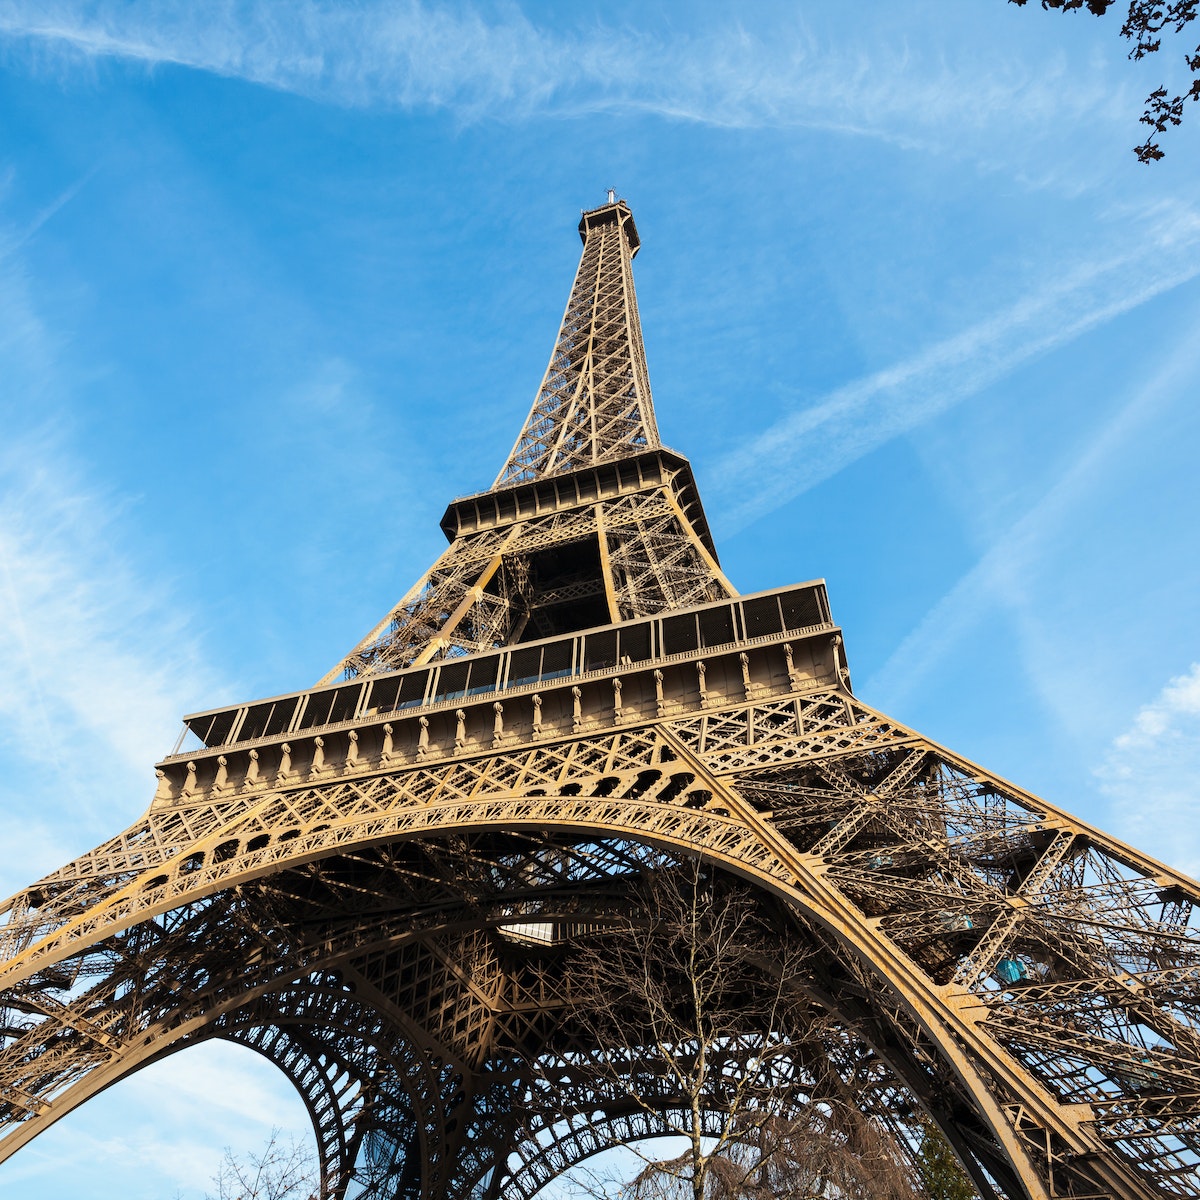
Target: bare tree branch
point(696, 1003)
point(284, 1170)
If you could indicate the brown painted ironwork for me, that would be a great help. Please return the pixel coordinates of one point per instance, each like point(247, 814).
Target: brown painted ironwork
point(377, 883)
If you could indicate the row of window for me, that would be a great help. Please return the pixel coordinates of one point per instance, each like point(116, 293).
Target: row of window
point(450, 679)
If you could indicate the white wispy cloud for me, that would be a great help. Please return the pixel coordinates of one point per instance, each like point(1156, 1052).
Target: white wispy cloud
point(1003, 575)
point(162, 1131)
point(99, 659)
point(86, 639)
point(1159, 252)
point(478, 62)
point(1152, 775)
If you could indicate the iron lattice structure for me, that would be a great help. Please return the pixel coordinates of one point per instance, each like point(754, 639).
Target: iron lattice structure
point(376, 883)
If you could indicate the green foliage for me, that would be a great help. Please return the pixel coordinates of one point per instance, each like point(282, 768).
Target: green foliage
point(941, 1174)
point(1144, 25)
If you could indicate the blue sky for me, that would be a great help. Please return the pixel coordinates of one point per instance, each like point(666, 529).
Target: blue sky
point(279, 279)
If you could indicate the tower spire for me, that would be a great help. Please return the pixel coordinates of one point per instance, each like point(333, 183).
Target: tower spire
point(594, 401)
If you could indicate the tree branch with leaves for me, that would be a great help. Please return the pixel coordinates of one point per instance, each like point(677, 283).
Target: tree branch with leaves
point(1144, 25)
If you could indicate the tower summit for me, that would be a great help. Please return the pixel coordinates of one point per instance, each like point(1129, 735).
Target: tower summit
point(381, 883)
point(594, 402)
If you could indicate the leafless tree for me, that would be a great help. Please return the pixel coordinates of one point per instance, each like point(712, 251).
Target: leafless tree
point(1145, 23)
point(825, 1151)
point(697, 1008)
point(284, 1170)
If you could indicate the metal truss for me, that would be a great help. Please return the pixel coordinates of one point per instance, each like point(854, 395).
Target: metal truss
point(485, 590)
point(1059, 1048)
point(594, 402)
point(381, 884)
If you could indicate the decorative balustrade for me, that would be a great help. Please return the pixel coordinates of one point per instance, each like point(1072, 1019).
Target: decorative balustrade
point(706, 657)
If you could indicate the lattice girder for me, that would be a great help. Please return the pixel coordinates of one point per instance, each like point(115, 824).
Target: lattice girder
point(939, 834)
point(317, 1002)
point(330, 1084)
point(374, 1076)
point(649, 557)
point(581, 1110)
point(594, 402)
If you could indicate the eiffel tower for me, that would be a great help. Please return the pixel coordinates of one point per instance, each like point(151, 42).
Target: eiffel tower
point(374, 882)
